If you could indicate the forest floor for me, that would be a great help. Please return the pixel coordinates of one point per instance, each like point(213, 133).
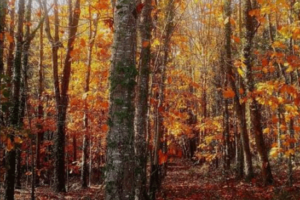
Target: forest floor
point(186, 181)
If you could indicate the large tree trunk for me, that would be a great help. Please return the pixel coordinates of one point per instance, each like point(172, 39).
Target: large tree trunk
point(120, 144)
point(255, 108)
point(142, 102)
point(10, 159)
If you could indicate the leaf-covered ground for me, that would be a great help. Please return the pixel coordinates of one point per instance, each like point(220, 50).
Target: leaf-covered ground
point(185, 181)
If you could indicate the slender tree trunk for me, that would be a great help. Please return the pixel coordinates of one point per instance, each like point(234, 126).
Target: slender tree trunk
point(142, 102)
point(92, 36)
point(61, 97)
point(120, 145)
point(226, 136)
point(3, 11)
point(159, 129)
point(10, 56)
point(255, 108)
point(40, 108)
point(10, 159)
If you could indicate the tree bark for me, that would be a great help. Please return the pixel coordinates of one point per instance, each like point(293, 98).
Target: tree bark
point(162, 61)
point(239, 107)
point(92, 36)
point(40, 108)
point(10, 159)
point(120, 140)
point(255, 108)
point(3, 11)
point(10, 56)
point(61, 91)
point(142, 101)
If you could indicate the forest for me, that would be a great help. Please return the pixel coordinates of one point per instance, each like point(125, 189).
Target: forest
point(150, 99)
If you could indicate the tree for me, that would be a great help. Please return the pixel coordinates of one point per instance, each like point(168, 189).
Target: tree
point(255, 108)
point(142, 101)
point(61, 89)
point(93, 26)
point(10, 159)
point(240, 107)
point(161, 64)
point(120, 138)
point(3, 11)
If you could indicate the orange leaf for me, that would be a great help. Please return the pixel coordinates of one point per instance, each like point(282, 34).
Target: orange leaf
point(236, 39)
point(265, 62)
point(9, 38)
point(146, 44)
point(162, 157)
point(104, 128)
point(241, 91)
point(82, 42)
point(104, 104)
point(18, 140)
point(39, 13)
point(229, 93)
point(9, 145)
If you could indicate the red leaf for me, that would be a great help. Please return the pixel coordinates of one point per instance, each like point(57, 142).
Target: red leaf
point(139, 8)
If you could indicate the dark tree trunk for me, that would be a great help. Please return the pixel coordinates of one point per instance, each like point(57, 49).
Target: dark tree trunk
point(40, 108)
point(239, 107)
point(157, 168)
point(255, 108)
point(61, 97)
point(142, 102)
point(10, 56)
point(10, 159)
point(3, 11)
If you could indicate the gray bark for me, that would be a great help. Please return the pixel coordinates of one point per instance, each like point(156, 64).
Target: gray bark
point(120, 140)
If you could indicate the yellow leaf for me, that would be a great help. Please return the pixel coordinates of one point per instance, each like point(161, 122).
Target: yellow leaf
point(156, 42)
point(240, 71)
point(282, 136)
point(266, 130)
point(274, 152)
